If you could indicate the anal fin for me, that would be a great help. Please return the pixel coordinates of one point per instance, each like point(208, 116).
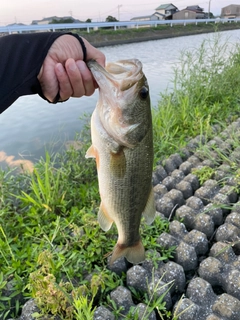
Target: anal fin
point(150, 209)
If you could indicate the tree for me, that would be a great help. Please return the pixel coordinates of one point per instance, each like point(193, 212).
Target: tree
point(88, 20)
point(111, 19)
point(62, 20)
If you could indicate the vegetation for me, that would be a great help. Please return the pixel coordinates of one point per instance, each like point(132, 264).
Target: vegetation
point(111, 19)
point(206, 92)
point(50, 240)
point(103, 35)
point(62, 20)
point(204, 173)
point(51, 246)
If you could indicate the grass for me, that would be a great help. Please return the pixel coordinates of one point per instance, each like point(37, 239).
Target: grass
point(103, 34)
point(206, 92)
point(50, 240)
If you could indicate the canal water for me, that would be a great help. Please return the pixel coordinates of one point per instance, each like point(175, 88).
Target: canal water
point(31, 125)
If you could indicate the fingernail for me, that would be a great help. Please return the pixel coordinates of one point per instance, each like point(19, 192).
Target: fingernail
point(72, 66)
point(81, 65)
point(59, 67)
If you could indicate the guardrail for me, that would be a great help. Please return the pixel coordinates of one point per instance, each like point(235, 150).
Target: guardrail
point(115, 25)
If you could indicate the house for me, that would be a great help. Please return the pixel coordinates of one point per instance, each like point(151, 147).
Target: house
point(154, 16)
point(231, 11)
point(191, 12)
point(157, 16)
point(167, 10)
point(163, 12)
point(141, 18)
point(49, 20)
point(15, 24)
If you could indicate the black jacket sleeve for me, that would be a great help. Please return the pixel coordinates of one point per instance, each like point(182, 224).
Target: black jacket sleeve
point(21, 58)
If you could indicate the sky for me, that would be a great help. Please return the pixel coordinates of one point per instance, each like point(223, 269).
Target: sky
point(25, 11)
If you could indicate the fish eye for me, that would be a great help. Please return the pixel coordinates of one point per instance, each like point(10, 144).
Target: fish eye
point(143, 93)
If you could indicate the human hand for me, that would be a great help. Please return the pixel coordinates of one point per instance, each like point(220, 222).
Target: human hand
point(64, 71)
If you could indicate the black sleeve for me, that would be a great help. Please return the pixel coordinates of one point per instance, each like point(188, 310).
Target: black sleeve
point(21, 58)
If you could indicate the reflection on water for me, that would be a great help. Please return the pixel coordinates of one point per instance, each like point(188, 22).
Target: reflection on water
point(31, 125)
point(22, 165)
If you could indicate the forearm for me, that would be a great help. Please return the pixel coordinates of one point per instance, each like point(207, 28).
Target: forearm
point(21, 58)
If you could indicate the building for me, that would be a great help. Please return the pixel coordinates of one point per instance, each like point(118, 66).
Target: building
point(16, 25)
point(55, 18)
point(230, 12)
point(191, 12)
point(157, 16)
point(163, 12)
point(167, 10)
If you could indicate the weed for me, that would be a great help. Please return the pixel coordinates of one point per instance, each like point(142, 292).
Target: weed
point(63, 298)
point(178, 312)
point(204, 92)
point(204, 173)
point(153, 298)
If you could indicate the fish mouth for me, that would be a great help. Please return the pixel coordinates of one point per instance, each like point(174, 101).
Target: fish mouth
point(120, 75)
point(119, 85)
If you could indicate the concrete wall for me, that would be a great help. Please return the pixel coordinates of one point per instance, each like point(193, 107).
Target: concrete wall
point(187, 14)
point(231, 11)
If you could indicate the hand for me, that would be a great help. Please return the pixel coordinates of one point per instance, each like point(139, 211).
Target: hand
point(64, 70)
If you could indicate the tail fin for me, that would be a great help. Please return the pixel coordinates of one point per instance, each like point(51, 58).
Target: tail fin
point(134, 254)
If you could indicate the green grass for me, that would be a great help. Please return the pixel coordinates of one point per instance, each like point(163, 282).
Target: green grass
point(206, 91)
point(104, 34)
point(50, 239)
point(49, 236)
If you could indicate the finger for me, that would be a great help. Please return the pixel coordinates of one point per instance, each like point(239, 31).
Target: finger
point(93, 53)
point(100, 58)
point(87, 78)
point(75, 78)
point(48, 81)
point(65, 88)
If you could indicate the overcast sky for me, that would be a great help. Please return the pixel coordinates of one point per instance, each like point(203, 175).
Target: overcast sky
point(25, 11)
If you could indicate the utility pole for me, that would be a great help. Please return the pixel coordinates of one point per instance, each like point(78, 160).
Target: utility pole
point(209, 4)
point(119, 6)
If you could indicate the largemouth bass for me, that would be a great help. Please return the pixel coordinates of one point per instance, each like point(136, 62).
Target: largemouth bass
point(122, 144)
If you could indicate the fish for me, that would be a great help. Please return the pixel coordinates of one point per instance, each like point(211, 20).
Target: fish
point(122, 145)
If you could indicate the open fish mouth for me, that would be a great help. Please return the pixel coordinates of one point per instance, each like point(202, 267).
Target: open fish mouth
point(122, 74)
point(120, 84)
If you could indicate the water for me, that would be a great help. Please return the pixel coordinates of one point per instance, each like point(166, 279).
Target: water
point(31, 124)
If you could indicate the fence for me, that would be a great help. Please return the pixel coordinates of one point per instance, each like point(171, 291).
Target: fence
point(115, 25)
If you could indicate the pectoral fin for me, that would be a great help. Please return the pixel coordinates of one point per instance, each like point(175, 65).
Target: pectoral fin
point(91, 153)
point(118, 164)
point(103, 218)
point(150, 209)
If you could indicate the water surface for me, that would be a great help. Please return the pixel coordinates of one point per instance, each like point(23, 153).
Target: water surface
point(31, 124)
